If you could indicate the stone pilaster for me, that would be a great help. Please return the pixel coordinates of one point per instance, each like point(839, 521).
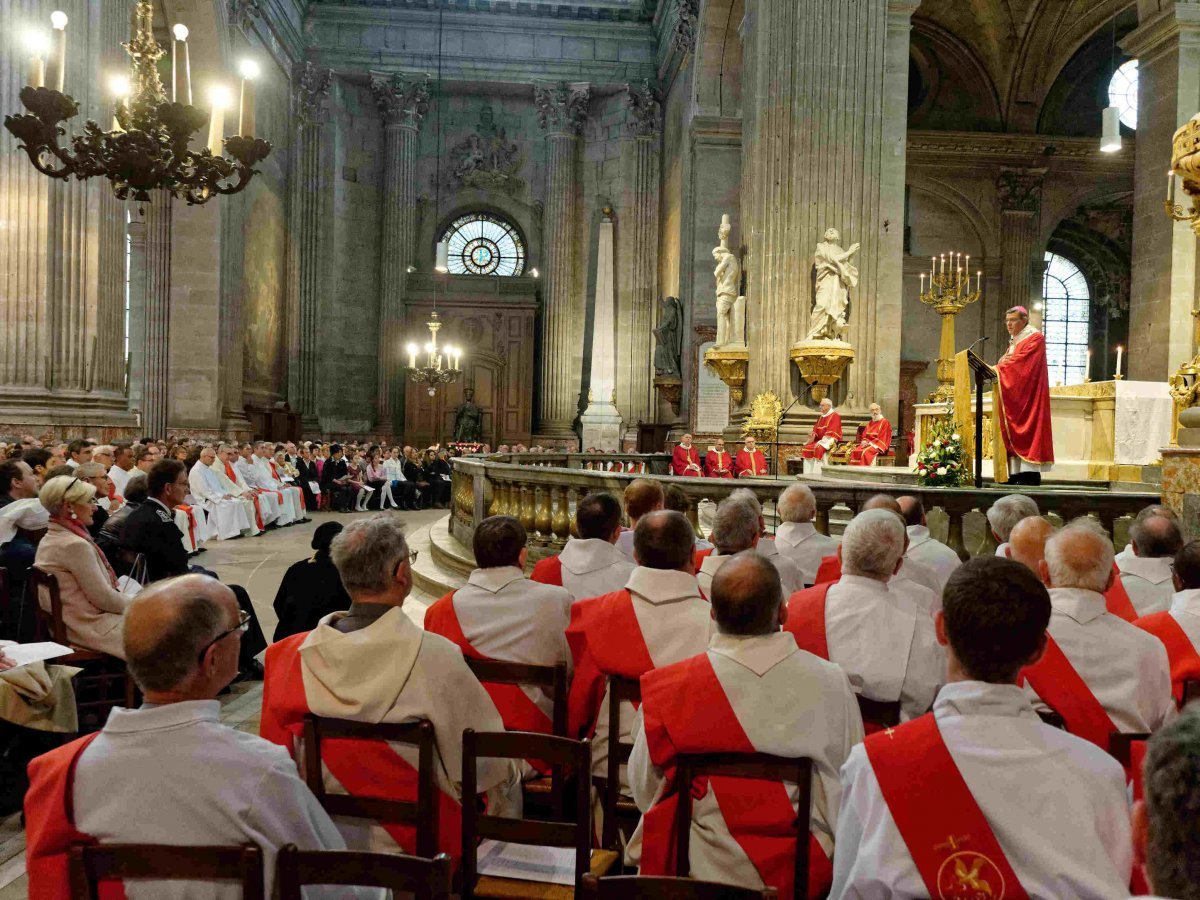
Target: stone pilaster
point(1167, 46)
point(306, 249)
point(825, 148)
point(1019, 197)
point(403, 102)
point(156, 352)
point(562, 112)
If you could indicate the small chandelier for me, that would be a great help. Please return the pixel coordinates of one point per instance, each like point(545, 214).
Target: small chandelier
point(147, 147)
point(441, 363)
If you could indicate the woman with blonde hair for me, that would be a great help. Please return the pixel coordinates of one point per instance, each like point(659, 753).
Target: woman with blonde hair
point(92, 607)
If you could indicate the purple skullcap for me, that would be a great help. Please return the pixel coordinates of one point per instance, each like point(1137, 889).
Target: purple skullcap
point(1020, 310)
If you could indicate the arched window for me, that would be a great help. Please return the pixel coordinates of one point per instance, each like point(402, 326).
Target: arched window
point(484, 244)
point(1123, 92)
point(1066, 315)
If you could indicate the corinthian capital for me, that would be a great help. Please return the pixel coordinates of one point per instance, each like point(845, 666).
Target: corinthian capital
point(643, 103)
point(687, 15)
point(311, 85)
point(562, 107)
point(401, 99)
point(1020, 189)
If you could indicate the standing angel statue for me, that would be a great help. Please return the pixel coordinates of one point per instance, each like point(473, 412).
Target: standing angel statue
point(835, 277)
point(731, 308)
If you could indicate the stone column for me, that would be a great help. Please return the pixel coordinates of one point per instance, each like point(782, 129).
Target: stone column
point(1167, 45)
point(1019, 197)
point(403, 102)
point(562, 112)
point(824, 147)
point(156, 352)
point(306, 249)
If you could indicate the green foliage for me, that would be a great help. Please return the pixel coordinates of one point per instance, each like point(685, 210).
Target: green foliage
point(940, 462)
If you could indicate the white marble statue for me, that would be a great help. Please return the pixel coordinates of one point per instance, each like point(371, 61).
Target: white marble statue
point(835, 277)
point(731, 308)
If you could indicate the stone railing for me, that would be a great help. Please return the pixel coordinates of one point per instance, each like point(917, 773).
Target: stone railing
point(635, 463)
point(543, 497)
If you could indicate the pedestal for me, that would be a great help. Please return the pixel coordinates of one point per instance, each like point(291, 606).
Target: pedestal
point(1181, 486)
point(729, 363)
point(821, 364)
point(601, 428)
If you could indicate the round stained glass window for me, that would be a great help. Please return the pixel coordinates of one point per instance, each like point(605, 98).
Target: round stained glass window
point(483, 244)
point(1123, 92)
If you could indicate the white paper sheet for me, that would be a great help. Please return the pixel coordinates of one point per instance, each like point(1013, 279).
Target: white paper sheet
point(547, 865)
point(24, 654)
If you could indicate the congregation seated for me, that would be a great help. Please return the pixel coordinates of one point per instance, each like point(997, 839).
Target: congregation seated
point(171, 772)
point(922, 546)
point(796, 538)
point(884, 642)
point(1146, 571)
point(1100, 673)
point(1166, 823)
point(1005, 513)
point(311, 589)
point(1024, 808)
point(676, 498)
point(372, 663)
point(751, 691)
point(591, 564)
point(642, 496)
point(23, 521)
point(109, 540)
point(738, 526)
point(1179, 626)
point(97, 476)
point(231, 515)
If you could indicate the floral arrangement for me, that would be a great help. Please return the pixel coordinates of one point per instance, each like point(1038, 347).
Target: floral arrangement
point(940, 462)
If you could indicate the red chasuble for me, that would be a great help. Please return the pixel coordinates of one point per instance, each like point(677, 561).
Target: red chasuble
point(547, 571)
point(363, 768)
point(718, 464)
point(1181, 652)
point(947, 835)
point(876, 439)
point(605, 639)
point(1024, 393)
point(686, 461)
point(748, 463)
point(826, 426)
point(1064, 690)
point(685, 710)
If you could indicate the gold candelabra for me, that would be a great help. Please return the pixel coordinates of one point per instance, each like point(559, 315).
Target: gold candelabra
point(949, 294)
point(1185, 165)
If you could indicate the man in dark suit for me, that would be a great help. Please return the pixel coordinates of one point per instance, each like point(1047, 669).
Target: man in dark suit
point(333, 480)
point(151, 531)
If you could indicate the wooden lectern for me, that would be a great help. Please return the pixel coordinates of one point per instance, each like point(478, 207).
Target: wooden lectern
point(966, 364)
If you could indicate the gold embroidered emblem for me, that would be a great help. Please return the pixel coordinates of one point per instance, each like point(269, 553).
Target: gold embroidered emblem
point(967, 875)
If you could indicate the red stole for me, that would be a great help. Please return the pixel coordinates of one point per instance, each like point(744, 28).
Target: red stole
point(1181, 653)
point(716, 460)
point(547, 571)
point(947, 835)
point(363, 768)
point(49, 824)
point(605, 639)
point(1116, 599)
point(829, 570)
point(191, 517)
point(1064, 690)
point(232, 476)
point(683, 457)
point(685, 710)
point(699, 556)
point(1023, 388)
point(806, 619)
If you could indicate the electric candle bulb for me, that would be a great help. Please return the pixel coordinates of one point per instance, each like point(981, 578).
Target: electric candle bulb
point(58, 60)
point(249, 71)
point(216, 125)
point(38, 45)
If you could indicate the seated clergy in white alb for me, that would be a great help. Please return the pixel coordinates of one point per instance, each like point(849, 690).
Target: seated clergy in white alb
point(752, 691)
point(249, 473)
point(642, 497)
point(737, 527)
point(589, 565)
point(796, 539)
point(266, 505)
point(884, 642)
point(1100, 673)
point(1146, 573)
point(228, 514)
point(916, 581)
point(922, 546)
point(271, 478)
point(1005, 513)
point(980, 798)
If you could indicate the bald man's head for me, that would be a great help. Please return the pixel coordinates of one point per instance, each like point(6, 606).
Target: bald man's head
point(747, 595)
point(664, 539)
point(884, 501)
point(1156, 536)
point(1079, 556)
point(1027, 542)
point(912, 509)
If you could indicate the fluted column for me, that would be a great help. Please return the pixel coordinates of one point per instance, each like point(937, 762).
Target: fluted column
point(306, 250)
point(402, 102)
point(562, 113)
point(1019, 193)
point(156, 351)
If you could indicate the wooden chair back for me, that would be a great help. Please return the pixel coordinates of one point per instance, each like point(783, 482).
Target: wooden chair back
point(50, 622)
point(762, 766)
point(1120, 746)
point(620, 690)
point(423, 814)
point(89, 864)
point(644, 887)
point(1191, 691)
point(560, 752)
point(424, 879)
point(884, 713)
point(552, 678)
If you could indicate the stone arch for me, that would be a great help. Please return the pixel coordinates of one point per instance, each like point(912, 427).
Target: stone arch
point(976, 219)
point(525, 218)
point(949, 85)
point(718, 67)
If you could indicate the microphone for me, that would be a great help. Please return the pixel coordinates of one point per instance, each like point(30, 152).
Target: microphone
point(978, 342)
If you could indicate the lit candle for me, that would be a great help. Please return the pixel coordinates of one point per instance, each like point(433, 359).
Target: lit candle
point(216, 124)
point(119, 85)
point(932, 269)
point(978, 281)
point(1171, 187)
point(249, 70)
point(412, 355)
point(180, 67)
point(942, 266)
point(58, 61)
point(1087, 368)
point(429, 350)
point(922, 283)
point(37, 57)
point(1120, 352)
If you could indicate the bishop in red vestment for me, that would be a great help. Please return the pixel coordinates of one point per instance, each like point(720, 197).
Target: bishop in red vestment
point(717, 462)
point(750, 461)
point(1023, 391)
point(876, 439)
point(685, 459)
point(826, 432)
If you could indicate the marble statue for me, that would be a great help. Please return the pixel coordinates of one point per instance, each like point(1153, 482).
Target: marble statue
point(731, 307)
point(468, 420)
point(835, 278)
point(669, 334)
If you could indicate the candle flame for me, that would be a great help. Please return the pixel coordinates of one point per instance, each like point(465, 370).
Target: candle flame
point(248, 68)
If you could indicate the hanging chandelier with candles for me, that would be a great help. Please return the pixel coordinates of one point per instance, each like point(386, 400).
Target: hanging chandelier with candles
point(148, 145)
point(441, 364)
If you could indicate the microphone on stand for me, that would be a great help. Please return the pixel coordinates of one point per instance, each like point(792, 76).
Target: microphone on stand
point(978, 342)
point(782, 416)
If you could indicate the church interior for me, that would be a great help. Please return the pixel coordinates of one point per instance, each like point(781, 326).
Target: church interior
point(467, 283)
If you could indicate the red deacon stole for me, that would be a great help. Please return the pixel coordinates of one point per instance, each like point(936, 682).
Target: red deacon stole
point(947, 834)
point(806, 619)
point(1064, 690)
point(698, 558)
point(685, 710)
point(49, 824)
point(1181, 652)
point(1116, 599)
point(605, 639)
point(547, 571)
point(363, 768)
point(830, 570)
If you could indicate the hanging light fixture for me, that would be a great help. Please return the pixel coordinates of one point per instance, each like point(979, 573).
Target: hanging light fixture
point(1110, 137)
point(148, 145)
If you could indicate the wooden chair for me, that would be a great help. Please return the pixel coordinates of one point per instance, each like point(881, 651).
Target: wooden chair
point(422, 815)
point(1120, 746)
point(1191, 691)
point(620, 690)
point(638, 887)
point(89, 864)
point(884, 713)
point(571, 756)
point(763, 766)
point(424, 879)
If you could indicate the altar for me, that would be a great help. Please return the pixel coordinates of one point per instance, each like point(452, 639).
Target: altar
point(1103, 431)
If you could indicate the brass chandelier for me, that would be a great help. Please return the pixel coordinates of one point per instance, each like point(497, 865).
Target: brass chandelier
point(148, 146)
point(442, 364)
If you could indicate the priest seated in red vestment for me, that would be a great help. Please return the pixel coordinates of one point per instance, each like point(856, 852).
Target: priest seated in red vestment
point(717, 462)
point(827, 431)
point(372, 663)
point(875, 439)
point(685, 459)
point(1023, 383)
point(752, 691)
point(1179, 626)
point(980, 798)
point(750, 460)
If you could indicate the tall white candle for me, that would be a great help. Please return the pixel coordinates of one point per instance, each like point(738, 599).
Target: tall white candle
point(922, 282)
point(58, 60)
point(1087, 368)
point(979, 281)
point(412, 356)
point(216, 124)
point(1171, 187)
point(249, 70)
point(1120, 351)
point(185, 66)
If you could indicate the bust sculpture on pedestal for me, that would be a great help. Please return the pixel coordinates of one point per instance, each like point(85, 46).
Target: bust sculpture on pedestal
point(822, 356)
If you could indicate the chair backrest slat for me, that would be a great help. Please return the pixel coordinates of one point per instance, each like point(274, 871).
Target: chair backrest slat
point(1120, 746)
point(40, 579)
point(425, 879)
point(885, 714)
point(620, 691)
point(644, 887)
point(492, 671)
point(92, 863)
